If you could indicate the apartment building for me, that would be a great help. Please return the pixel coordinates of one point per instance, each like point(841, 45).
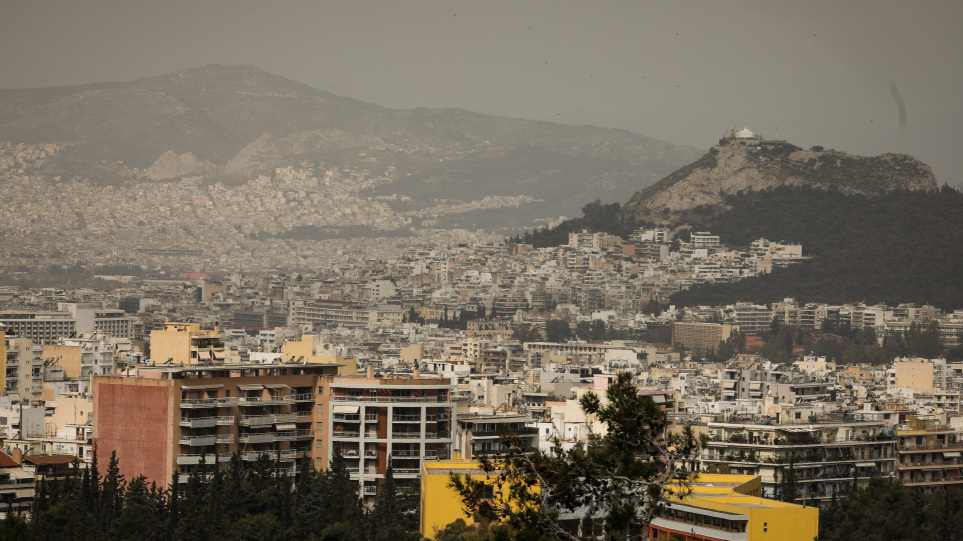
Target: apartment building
point(825, 457)
point(701, 337)
point(929, 455)
point(368, 418)
point(164, 421)
point(186, 344)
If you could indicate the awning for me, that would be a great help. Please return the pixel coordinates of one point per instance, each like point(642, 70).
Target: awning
point(286, 426)
point(277, 386)
point(204, 355)
point(201, 387)
point(796, 430)
point(346, 409)
point(951, 454)
point(658, 398)
point(728, 385)
point(865, 464)
point(755, 385)
point(250, 387)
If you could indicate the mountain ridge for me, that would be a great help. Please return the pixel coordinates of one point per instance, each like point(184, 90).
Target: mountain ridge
point(239, 122)
point(754, 164)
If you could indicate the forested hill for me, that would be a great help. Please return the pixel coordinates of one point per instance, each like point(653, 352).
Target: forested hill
point(892, 248)
point(898, 247)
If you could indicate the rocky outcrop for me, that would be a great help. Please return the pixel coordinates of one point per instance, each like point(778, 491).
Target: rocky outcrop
point(734, 167)
point(171, 165)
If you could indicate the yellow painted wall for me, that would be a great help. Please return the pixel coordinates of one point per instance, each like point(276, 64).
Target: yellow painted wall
point(67, 357)
point(174, 342)
point(441, 505)
point(307, 347)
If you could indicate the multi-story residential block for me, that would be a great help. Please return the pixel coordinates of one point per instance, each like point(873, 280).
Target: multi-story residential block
point(920, 375)
point(751, 318)
point(481, 435)
point(186, 344)
point(929, 455)
point(701, 337)
point(164, 421)
point(825, 457)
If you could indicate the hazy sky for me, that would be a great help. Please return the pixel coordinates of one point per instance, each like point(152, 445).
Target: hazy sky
point(822, 72)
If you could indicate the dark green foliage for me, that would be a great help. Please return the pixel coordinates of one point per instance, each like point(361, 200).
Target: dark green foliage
point(887, 510)
point(894, 248)
point(557, 330)
point(596, 216)
point(243, 501)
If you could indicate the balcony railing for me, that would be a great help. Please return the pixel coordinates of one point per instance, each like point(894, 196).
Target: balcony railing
point(395, 399)
point(266, 437)
point(199, 403)
point(346, 434)
point(257, 420)
point(198, 441)
point(286, 418)
point(288, 435)
point(303, 397)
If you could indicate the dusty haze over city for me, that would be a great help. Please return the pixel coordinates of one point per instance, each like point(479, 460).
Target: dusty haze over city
point(864, 77)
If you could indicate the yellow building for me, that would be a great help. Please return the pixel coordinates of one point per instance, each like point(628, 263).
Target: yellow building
point(440, 504)
point(310, 349)
point(186, 344)
point(728, 507)
point(719, 507)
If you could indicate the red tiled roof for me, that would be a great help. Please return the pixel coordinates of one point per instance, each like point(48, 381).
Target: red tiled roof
point(6, 461)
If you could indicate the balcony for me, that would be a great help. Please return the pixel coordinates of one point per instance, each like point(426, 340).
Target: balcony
point(303, 397)
point(266, 437)
point(407, 435)
point(262, 401)
point(198, 441)
point(225, 420)
point(199, 422)
point(387, 399)
point(194, 459)
point(304, 434)
point(416, 418)
point(347, 434)
point(288, 435)
point(199, 403)
point(286, 418)
point(257, 420)
point(225, 438)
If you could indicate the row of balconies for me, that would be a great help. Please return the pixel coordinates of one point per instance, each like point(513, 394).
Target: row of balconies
point(207, 422)
point(395, 435)
point(205, 440)
point(362, 398)
point(224, 402)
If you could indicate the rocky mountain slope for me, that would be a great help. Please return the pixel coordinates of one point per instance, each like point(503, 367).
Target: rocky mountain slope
point(233, 123)
point(753, 164)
